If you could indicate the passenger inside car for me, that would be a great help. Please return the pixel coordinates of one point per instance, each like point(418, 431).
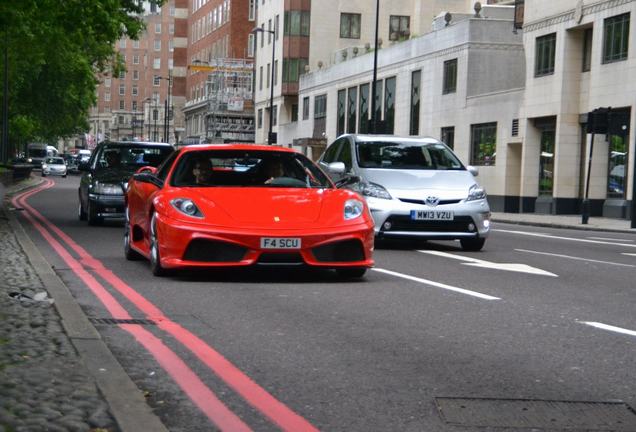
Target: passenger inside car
point(202, 172)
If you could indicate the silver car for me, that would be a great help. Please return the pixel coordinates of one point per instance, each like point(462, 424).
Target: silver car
point(54, 166)
point(415, 187)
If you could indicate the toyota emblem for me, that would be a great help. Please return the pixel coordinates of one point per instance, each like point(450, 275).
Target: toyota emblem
point(432, 201)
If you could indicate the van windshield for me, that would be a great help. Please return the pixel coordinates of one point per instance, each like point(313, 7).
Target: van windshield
point(406, 155)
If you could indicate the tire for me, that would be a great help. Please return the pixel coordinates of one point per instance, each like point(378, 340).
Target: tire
point(43, 175)
point(155, 257)
point(81, 213)
point(473, 244)
point(64, 176)
point(93, 219)
point(129, 253)
point(351, 272)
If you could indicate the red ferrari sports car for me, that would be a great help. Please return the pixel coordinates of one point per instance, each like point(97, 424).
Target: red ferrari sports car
point(242, 205)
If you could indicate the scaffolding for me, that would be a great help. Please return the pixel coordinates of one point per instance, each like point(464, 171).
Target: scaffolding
point(230, 114)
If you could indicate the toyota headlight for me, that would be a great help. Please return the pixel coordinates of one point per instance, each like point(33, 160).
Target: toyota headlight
point(187, 207)
point(353, 208)
point(107, 189)
point(372, 190)
point(44, 166)
point(476, 192)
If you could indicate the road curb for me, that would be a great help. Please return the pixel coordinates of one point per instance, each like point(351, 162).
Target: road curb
point(562, 225)
point(126, 401)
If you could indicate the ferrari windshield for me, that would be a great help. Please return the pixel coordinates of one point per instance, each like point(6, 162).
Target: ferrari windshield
point(407, 155)
point(247, 168)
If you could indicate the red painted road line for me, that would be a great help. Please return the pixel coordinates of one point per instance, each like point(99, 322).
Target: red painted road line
point(254, 394)
point(189, 382)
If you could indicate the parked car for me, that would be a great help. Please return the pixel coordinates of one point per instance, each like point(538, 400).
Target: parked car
point(415, 188)
point(110, 166)
point(54, 166)
point(242, 205)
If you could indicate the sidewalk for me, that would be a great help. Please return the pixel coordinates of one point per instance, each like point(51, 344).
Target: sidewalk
point(56, 373)
point(565, 221)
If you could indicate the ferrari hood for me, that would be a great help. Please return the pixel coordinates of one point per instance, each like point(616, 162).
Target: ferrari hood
point(264, 206)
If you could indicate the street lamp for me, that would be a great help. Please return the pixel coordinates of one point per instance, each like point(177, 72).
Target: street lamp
point(166, 118)
point(271, 138)
point(374, 117)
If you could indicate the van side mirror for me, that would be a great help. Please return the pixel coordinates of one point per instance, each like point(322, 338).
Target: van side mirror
point(473, 170)
point(336, 167)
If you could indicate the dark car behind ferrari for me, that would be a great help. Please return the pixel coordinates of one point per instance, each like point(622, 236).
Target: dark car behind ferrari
point(112, 163)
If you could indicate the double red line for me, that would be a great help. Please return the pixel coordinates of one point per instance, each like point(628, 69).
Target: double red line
point(201, 395)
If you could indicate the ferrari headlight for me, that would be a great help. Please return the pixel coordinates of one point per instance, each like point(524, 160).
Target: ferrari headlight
point(373, 190)
point(187, 207)
point(106, 189)
point(353, 209)
point(476, 192)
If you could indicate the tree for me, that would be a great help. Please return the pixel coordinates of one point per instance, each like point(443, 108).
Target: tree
point(56, 50)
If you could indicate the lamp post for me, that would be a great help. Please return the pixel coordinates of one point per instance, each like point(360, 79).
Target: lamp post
point(152, 103)
point(271, 139)
point(374, 84)
point(166, 117)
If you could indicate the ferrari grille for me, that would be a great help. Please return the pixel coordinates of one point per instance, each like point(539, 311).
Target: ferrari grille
point(280, 258)
point(205, 250)
point(342, 251)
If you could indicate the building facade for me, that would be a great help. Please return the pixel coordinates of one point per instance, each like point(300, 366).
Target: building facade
point(580, 56)
point(299, 36)
point(140, 102)
point(219, 99)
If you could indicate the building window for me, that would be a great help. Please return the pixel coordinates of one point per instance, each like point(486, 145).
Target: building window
point(122, 89)
point(136, 59)
point(136, 44)
point(171, 28)
point(276, 72)
point(259, 119)
point(350, 25)
point(618, 157)
point(269, 70)
point(107, 82)
point(106, 97)
point(616, 38)
point(399, 27)
point(157, 28)
point(447, 136)
point(135, 90)
point(587, 49)
point(260, 78)
point(263, 35)
point(342, 101)
point(157, 44)
point(378, 103)
point(276, 26)
point(122, 44)
point(320, 106)
point(156, 80)
point(546, 161)
point(294, 113)
point(250, 45)
point(296, 23)
point(544, 56)
point(134, 105)
point(352, 112)
point(122, 75)
point(293, 68)
point(306, 108)
point(275, 116)
point(416, 81)
point(251, 15)
point(156, 63)
point(389, 105)
point(122, 104)
point(483, 143)
point(450, 77)
point(363, 126)
point(269, 29)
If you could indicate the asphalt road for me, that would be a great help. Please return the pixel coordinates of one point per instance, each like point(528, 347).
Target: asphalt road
point(430, 321)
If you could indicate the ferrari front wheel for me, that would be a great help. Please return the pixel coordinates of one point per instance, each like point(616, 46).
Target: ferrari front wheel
point(155, 257)
point(129, 252)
